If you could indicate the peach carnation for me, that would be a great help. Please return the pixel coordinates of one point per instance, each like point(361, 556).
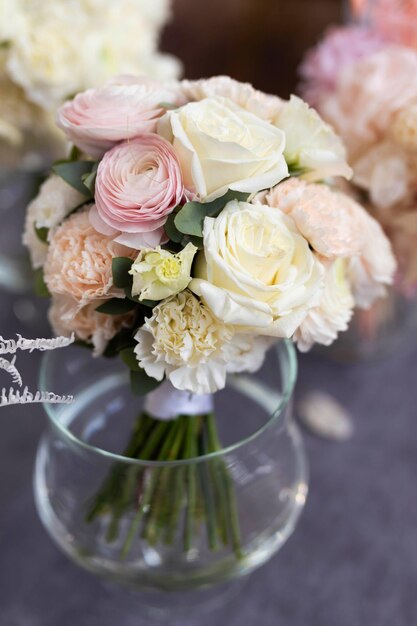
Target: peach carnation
point(337, 226)
point(79, 261)
point(88, 325)
point(327, 219)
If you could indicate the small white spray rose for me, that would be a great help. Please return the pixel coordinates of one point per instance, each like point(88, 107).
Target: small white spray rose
point(158, 274)
point(311, 144)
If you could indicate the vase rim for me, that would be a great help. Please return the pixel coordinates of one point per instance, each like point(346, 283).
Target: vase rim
point(285, 396)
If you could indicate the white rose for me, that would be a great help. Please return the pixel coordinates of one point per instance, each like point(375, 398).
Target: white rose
point(334, 312)
point(311, 144)
point(186, 343)
point(260, 104)
point(221, 146)
point(257, 271)
point(54, 202)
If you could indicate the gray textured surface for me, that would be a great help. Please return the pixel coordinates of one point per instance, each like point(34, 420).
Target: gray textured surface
point(351, 562)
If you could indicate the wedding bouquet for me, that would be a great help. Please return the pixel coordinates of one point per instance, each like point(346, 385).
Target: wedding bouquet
point(51, 49)
point(189, 229)
point(366, 87)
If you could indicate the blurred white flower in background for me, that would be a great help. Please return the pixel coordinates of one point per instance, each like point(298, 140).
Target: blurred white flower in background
point(52, 49)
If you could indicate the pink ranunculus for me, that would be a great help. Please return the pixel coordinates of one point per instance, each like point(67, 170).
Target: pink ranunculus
point(138, 184)
point(123, 108)
point(340, 48)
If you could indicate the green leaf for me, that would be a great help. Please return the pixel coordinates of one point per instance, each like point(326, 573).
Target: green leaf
point(171, 230)
point(116, 306)
point(42, 233)
point(141, 383)
point(89, 180)
point(122, 340)
point(72, 172)
point(41, 289)
point(74, 154)
point(120, 267)
point(190, 219)
point(128, 357)
point(149, 303)
point(170, 106)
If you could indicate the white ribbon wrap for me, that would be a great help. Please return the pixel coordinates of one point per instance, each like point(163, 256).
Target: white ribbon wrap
point(166, 402)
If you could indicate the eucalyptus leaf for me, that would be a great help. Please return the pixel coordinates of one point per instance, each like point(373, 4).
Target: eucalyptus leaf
point(190, 219)
point(128, 357)
point(41, 289)
point(116, 306)
point(42, 233)
point(72, 172)
point(170, 106)
point(74, 154)
point(122, 340)
point(171, 230)
point(89, 180)
point(141, 383)
point(121, 267)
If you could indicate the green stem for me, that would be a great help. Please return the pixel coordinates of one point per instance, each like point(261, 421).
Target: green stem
point(230, 495)
point(190, 452)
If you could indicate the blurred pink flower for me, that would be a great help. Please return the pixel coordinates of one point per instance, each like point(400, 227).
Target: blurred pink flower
point(125, 107)
point(138, 184)
point(340, 48)
point(368, 95)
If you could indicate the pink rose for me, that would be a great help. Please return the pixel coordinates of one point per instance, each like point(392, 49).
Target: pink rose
point(125, 107)
point(138, 184)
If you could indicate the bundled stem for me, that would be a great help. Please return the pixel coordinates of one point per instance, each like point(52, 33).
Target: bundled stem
point(171, 502)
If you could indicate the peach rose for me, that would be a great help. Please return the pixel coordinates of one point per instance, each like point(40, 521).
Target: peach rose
point(88, 325)
point(79, 261)
point(125, 107)
point(263, 105)
point(138, 184)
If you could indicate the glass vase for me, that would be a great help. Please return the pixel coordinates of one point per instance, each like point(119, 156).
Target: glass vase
point(261, 471)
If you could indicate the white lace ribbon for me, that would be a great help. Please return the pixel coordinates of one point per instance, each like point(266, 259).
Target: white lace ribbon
point(166, 402)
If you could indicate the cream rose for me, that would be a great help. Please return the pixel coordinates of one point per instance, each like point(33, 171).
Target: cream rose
point(334, 312)
point(257, 271)
point(311, 144)
point(221, 146)
point(158, 274)
point(185, 343)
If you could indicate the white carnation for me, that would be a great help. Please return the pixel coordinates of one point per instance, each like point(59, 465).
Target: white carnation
point(186, 343)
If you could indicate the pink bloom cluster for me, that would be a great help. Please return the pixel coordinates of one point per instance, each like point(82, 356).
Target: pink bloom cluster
point(371, 101)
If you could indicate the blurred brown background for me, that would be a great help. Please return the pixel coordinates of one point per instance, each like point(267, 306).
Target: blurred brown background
point(260, 41)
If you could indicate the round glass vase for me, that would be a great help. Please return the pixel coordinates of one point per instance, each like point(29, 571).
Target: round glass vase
point(262, 467)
